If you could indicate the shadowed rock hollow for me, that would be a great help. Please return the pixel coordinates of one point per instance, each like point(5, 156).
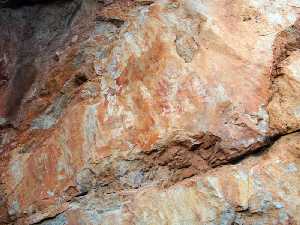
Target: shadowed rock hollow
point(149, 112)
point(20, 3)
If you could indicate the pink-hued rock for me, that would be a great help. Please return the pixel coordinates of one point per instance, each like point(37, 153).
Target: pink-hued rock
point(121, 95)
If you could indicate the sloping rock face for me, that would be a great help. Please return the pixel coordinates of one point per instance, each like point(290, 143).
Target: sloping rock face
point(130, 112)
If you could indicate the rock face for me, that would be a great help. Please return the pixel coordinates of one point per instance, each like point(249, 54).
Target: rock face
point(264, 189)
point(147, 112)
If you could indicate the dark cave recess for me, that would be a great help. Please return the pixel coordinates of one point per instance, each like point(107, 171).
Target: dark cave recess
point(20, 3)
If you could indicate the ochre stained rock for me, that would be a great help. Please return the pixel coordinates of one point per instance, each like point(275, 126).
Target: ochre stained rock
point(263, 189)
point(117, 96)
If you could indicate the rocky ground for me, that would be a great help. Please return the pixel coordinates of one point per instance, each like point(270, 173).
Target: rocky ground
point(173, 112)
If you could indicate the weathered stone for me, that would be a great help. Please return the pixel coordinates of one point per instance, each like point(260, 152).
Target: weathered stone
point(284, 105)
point(85, 180)
point(263, 189)
point(124, 109)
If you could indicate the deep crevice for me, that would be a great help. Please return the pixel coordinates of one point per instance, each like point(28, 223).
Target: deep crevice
point(117, 22)
point(49, 218)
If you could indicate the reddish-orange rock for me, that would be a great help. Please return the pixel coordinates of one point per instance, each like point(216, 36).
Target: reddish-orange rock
point(121, 95)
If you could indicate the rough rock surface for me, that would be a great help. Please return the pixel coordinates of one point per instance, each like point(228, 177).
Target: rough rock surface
point(263, 189)
point(127, 112)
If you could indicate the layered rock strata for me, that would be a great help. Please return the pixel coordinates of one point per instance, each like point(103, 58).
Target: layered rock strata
point(133, 112)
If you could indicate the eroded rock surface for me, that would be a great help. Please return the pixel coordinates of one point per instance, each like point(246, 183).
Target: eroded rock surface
point(107, 106)
point(263, 189)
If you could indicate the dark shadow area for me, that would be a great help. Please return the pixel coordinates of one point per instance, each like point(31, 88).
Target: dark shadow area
point(19, 3)
point(37, 32)
point(21, 83)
